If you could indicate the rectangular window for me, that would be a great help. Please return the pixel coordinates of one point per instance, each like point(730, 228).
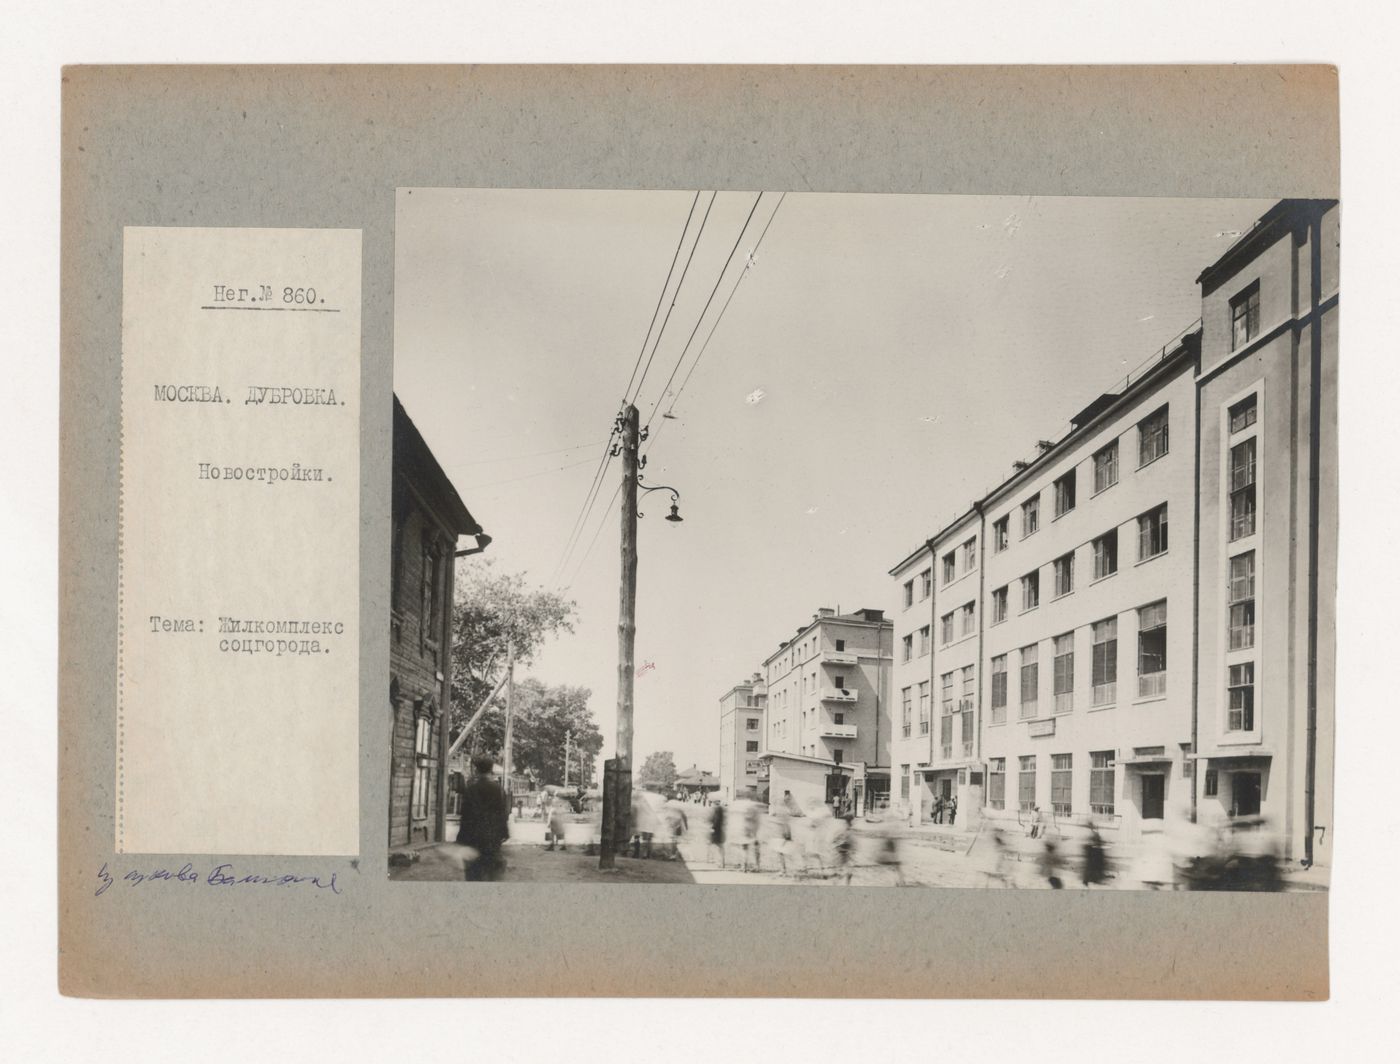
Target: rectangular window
point(751, 724)
point(999, 689)
point(909, 647)
point(1242, 475)
point(1064, 575)
point(1030, 516)
point(1242, 601)
point(947, 693)
point(969, 685)
point(969, 618)
point(1064, 672)
point(968, 729)
point(1212, 783)
point(950, 566)
point(1106, 554)
point(422, 746)
point(1152, 437)
point(904, 782)
point(1030, 591)
point(999, 605)
point(945, 738)
point(996, 782)
point(1001, 534)
point(945, 628)
point(1101, 782)
point(926, 583)
point(1152, 650)
point(1106, 467)
point(1241, 716)
point(1061, 783)
point(923, 708)
point(1030, 679)
point(970, 555)
point(908, 594)
point(925, 638)
point(1152, 533)
point(751, 746)
point(1244, 413)
point(1064, 494)
point(1106, 661)
point(907, 702)
point(1025, 789)
point(1244, 317)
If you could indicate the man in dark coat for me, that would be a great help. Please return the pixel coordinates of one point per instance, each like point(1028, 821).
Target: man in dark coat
point(485, 822)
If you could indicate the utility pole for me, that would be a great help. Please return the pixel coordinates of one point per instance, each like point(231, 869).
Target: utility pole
point(617, 813)
point(510, 716)
point(568, 738)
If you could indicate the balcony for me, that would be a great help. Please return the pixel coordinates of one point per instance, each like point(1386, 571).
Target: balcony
point(837, 694)
point(836, 731)
point(839, 657)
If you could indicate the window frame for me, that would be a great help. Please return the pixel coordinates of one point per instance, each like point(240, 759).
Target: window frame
point(1244, 308)
point(1151, 432)
point(1066, 493)
point(1109, 451)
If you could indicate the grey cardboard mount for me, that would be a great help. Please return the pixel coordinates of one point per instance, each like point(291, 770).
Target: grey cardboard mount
point(327, 147)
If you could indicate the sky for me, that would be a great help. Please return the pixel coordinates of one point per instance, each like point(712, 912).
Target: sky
point(882, 361)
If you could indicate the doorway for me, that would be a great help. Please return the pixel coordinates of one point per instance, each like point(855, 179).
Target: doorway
point(1245, 793)
point(1154, 793)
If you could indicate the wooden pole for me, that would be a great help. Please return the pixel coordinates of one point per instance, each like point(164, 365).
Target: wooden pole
point(619, 815)
point(510, 717)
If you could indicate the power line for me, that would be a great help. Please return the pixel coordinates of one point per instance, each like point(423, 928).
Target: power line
point(534, 454)
point(597, 532)
point(710, 335)
point(674, 295)
point(591, 496)
point(662, 294)
point(718, 280)
point(527, 476)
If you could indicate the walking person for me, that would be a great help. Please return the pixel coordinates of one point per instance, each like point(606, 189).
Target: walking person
point(485, 824)
point(717, 816)
point(1095, 868)
point(1050, 862)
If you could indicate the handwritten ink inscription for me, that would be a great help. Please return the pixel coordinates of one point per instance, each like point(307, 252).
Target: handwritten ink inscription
point(224, 875)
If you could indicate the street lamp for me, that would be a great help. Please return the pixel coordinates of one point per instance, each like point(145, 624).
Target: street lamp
point(674, 515)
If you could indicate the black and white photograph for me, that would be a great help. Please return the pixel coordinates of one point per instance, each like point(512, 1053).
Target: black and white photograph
point(771, 537)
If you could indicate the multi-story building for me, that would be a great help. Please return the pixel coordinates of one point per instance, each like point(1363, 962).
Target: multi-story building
point(741, 739)
point(428, 517)
point(1087, 645)
point(828, 711)
point(1267, 527)
point(911, 678)
point(953, 769)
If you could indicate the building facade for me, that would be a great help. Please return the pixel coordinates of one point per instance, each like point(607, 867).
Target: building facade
point(1268, 527)
point(741, 730)
point(828, 710)
point(911, 680)
point(428, 517)
point(1087, 646)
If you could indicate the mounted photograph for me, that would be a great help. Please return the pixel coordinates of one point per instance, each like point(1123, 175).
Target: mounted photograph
point(792, 538)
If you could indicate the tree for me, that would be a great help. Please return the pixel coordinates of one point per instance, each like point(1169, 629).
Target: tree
point(544, 716)
point(658, 771)
point(490, 609)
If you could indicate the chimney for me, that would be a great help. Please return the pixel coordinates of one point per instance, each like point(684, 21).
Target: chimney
point(825, 611)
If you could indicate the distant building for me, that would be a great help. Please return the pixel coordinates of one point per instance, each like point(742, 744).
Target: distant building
point(694, 784)
point(741, 711)
point(1267, 566)
point(912, 680)
point(828, 710)
point(428, 517)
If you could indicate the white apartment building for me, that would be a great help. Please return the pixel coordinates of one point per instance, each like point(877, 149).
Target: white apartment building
point(1266, 641)
point(741, 739)
point(911, 678)
point(828, 709)
point(1088, 637)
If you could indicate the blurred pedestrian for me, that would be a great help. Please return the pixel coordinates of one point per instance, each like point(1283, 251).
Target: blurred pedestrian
point(717, 829)
point(485, 823)
point(952, 809)
point(938, 808)
point(1095, 867)
point(1050, 862)
point(998, 866)
point(557, 824)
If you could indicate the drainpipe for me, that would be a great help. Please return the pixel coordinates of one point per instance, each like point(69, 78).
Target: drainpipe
point(1314, 505)
point(981, 622)
point(1196, 598)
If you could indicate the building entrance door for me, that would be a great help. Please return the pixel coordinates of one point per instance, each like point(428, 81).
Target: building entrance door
point(945, 787)
point(1154, 792)
point(1244, 794)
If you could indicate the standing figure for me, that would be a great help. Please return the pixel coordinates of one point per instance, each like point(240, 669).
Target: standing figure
point(952, 809)
point(485, 822)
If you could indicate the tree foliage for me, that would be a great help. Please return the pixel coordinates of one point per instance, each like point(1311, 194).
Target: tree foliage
point(658, 771)
point(490, 609)
point(544, 716)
